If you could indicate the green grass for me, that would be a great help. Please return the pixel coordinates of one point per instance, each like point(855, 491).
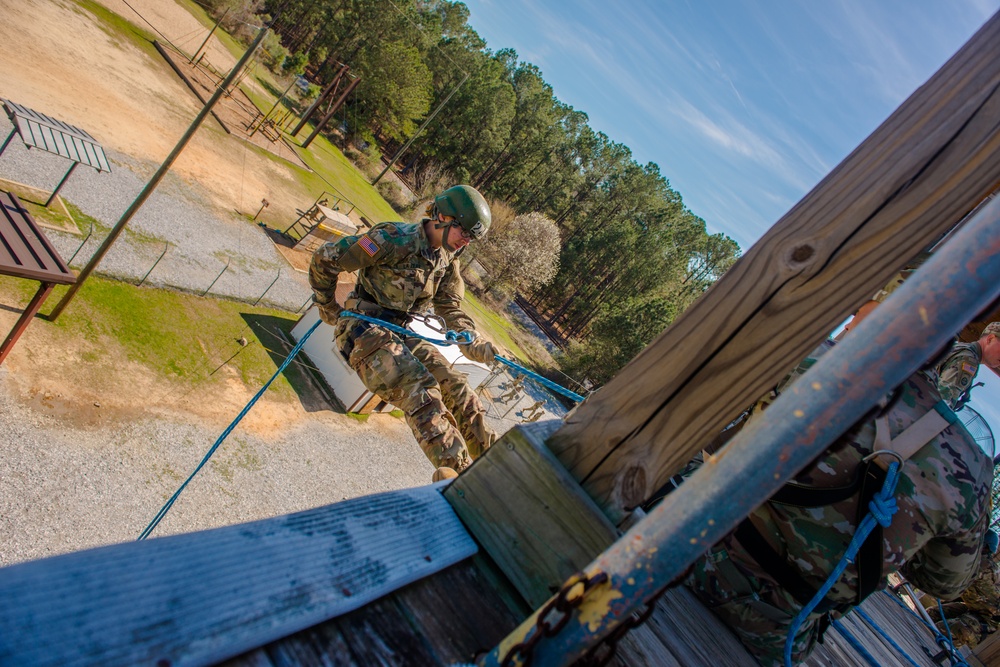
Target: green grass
point(493, 325)
point(121, 30)
point(331, 171)
point(179, 337)
point(231, 44)
point(334, 172)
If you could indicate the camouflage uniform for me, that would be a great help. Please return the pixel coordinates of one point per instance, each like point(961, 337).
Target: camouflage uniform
point(977, 613)
point(398, 274)
point(956, 373)
point(935, 537)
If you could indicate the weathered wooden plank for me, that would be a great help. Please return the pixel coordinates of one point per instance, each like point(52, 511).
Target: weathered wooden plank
point(380, 634)
point(532, 518)
point(203, 597)
point(988, 650)
point(459, 612)
point(925, 167)
point(448, 616)
point(693, 635)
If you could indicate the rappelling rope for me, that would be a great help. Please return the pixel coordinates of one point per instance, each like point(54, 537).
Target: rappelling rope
point(885, 635)
point(465, 338)
point(880, 510)
point(166, 507)
point(943, 641)
point(856, 645)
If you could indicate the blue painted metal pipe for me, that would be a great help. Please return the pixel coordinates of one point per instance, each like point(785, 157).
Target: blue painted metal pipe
point(887, 347)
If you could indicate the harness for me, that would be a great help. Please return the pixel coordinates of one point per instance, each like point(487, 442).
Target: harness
point(361, 301)
point(868, 480)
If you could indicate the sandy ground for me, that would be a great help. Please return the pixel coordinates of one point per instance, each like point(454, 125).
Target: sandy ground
point(90, 451)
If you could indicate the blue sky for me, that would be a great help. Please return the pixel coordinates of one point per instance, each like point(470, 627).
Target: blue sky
point(744, 105)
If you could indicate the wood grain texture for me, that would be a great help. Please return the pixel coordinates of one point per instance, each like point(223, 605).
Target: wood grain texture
point(917, 175)
point(988, 650)
point(447, 617)
point(202, 597)
point(529, 515)
point(909, 633)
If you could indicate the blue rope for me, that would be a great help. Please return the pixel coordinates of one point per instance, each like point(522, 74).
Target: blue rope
point(885, 635)
point(880, 509)
point(465, 338)
point(855, 644)
point(170, 503)
point(944, 642)
point(951, 640)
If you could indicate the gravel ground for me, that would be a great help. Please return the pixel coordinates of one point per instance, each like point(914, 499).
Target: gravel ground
point(64, 488)
point(200, 238)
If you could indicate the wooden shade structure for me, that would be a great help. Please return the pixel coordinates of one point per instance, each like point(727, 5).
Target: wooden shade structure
point(26, 253)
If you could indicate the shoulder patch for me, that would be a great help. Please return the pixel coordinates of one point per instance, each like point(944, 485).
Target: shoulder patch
point(968, 368)
point(368, 245)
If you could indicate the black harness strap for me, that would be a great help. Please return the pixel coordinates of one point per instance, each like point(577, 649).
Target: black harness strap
point(869, 559)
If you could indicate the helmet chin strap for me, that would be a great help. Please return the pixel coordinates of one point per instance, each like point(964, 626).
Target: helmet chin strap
point(446, 226)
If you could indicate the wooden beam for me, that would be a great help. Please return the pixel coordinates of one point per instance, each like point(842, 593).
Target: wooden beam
point(528, 514)
point(22, 322)
point(917, 175)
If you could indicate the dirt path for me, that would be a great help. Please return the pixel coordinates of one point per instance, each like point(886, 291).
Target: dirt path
point(58, 59)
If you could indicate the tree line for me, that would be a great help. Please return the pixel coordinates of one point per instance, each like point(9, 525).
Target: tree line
point(632, 256)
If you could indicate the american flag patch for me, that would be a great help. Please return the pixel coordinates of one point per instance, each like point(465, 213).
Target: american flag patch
point(368, 246)
point(968, 368)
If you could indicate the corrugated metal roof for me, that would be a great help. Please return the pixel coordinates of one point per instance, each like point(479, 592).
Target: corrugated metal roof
point(24, 250)
point(54, 136)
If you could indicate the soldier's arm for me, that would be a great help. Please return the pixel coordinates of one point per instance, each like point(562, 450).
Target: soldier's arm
point(349, 254)
point(448, 300)
point(955, 376)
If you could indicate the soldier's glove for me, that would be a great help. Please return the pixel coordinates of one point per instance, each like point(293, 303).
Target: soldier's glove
point(328, 312)
point(480, 350)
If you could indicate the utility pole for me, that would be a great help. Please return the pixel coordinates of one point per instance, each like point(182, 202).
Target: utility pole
point(154, 181)
point(419, 130)
point(210, 33)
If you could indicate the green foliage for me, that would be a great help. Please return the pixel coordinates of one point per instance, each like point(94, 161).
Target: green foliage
point(521, 255)
point(296, 64)
point(276, 53)
point(392, 193)
point(631, 253)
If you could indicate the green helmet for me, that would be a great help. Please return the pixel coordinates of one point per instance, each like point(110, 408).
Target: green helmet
point(468, 207)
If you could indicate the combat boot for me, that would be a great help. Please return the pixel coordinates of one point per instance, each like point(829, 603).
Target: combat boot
point(443, 473)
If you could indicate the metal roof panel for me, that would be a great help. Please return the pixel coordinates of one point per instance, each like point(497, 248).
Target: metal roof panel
point(54, 136)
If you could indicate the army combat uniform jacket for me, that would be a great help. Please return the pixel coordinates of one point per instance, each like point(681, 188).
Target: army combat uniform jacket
point(400, 275)
point(935, 538)
point(397, 270)
point(956, 373)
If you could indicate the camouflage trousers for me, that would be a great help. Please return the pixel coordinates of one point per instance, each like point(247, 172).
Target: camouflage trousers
point(445, 414)
point(754, 606)
point(966, 626)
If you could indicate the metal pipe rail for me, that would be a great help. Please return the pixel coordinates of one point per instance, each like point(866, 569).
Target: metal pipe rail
point(921, 317)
